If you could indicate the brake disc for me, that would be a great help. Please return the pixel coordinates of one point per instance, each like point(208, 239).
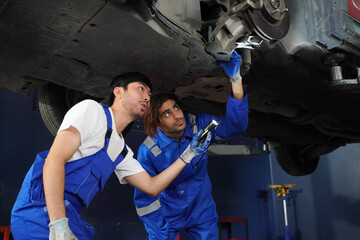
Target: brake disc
point(272, 22)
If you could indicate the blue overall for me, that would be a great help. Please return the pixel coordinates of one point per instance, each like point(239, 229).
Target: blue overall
point(83, 179)
point(187, 203)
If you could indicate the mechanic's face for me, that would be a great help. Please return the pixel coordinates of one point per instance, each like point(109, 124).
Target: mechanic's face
point(136, 98)
point(172, 120)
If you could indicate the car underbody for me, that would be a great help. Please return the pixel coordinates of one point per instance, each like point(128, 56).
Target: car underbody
point(302, 81)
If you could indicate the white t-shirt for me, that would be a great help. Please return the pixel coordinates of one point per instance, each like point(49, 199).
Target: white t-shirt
point(89, 118)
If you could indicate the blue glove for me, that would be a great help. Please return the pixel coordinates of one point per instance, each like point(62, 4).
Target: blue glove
point(59, 230)
point(232, 68)
point(196, 147)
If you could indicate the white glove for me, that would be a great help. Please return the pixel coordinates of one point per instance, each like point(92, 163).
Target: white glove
point(195, 147)
point(59, 230)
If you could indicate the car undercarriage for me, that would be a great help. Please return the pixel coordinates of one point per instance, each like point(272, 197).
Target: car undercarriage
point(300, 61)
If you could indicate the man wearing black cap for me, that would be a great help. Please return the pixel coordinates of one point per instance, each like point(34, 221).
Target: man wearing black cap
point(89, 146)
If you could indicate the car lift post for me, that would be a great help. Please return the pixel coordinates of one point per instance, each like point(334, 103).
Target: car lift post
point(282, 190)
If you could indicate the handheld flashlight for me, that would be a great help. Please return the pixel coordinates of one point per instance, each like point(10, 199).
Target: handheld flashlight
point(211, 126)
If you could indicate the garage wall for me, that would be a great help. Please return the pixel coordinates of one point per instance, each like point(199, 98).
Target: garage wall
point(240, 190)
point(22, 135)
point(326, 204)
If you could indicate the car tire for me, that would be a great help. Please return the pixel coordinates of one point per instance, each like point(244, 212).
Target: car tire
point(52, 105)
point(293, 163)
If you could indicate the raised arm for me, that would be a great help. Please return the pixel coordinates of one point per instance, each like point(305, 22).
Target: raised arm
point(232, 69)
point(236, 118)
point(237, 90)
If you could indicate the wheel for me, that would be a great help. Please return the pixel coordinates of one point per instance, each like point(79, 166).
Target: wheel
point(54, 101)
point(292, 162)
point(52, 106)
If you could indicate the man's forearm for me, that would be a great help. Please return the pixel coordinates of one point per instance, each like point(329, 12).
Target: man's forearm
point(155, 185)
point(54, 181)
point(237, 90)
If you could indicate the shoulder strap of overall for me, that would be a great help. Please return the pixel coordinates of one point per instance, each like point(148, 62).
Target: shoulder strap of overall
point(150, 144)
point(109, 125)
point(109, 131)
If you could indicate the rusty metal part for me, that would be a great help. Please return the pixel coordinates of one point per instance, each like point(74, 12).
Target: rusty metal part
point(269, 23)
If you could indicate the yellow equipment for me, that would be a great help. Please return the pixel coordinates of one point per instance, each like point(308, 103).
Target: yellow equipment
point(282, 191)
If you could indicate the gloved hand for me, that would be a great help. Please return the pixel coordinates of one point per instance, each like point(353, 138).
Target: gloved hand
point(59, 230)
point(196, 147)
point(232, 68)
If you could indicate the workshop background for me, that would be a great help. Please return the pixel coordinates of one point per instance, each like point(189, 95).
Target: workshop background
point(324, 205)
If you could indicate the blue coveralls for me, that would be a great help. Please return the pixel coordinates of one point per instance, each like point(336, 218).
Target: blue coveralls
point(187, 203)
point(83, 179)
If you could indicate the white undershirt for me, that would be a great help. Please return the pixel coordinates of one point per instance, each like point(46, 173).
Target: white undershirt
point(89, 118)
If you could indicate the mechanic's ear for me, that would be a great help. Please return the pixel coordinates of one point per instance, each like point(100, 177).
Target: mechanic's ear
point(118, 92)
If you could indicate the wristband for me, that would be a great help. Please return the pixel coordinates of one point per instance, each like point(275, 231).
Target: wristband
point(188, 155)
point(236, 78)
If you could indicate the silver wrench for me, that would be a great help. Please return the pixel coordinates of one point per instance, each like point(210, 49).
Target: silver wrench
point(248, 44)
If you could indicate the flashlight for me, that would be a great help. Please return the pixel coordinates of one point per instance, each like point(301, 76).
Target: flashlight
point(211, 126)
